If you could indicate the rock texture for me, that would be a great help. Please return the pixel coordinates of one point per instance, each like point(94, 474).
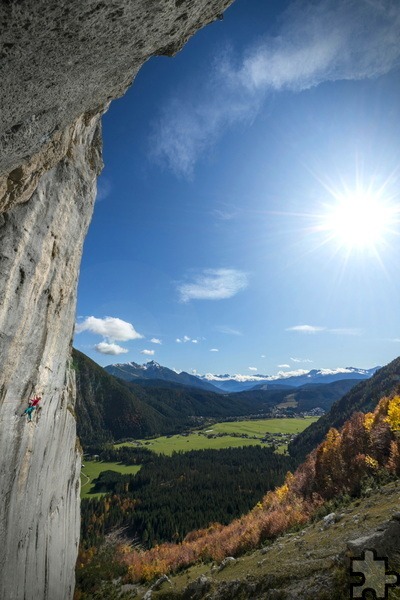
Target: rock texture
point(61, 63)
point(41, 243)
point(60, 59)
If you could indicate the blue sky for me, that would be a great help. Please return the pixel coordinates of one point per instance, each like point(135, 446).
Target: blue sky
point(222, 239)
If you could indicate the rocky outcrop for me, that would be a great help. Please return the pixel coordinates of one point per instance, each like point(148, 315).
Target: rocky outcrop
point(385, 540)
point(61, 63)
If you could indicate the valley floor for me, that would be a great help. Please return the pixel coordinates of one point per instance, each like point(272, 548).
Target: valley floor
point(231, 434)
point(234, 434)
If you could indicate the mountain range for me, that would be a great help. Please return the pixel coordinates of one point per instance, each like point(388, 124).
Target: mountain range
point(235, 383)
point(109, 408)
point(152, 370)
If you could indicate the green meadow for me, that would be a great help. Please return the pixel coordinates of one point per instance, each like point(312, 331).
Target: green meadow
point(194, 441)
point(92, 469)
point(230, 438)
point(259, 428)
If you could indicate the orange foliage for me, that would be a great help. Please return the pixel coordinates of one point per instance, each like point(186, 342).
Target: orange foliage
point(365, 444)
point(393, 464)
point(285, 510)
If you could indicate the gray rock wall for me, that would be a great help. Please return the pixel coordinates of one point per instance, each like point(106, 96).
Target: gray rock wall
point(41, 243)
point(61, 63)
point(59, 59)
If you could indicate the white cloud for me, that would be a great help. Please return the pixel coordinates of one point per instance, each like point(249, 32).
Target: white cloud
point(334, 331)
point(111, 328)
point(236, 377)
point(213, 284)
point(104, 188)
point(155, 341)
point(253, 369)
point(255, 377)
point(214, 350)
point(339, 370)
point(301, 360)
point(262, 355)
point(286, 374)
point(223, 215)
point(185, 340)
point(147, 352)
point(106, 348)
point(328, 40)
point(306, 329)
point(228, 330)
point(283, 366)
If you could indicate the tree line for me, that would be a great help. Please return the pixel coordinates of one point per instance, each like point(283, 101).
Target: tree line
point(173, 495)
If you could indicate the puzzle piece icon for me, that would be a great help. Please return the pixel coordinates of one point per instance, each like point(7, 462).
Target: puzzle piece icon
point(376, 576)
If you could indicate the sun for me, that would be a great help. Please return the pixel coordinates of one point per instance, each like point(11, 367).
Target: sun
point(359, 220)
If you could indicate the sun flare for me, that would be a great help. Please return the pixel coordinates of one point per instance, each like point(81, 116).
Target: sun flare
point(359, 220)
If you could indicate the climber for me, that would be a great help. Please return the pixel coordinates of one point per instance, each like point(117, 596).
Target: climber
point(35, 401)
point(33, 405)
point(28, 412)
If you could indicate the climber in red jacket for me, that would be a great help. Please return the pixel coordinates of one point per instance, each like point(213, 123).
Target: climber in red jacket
point(35, 401)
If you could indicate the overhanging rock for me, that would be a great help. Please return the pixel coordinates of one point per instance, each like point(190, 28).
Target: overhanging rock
point(61, 63)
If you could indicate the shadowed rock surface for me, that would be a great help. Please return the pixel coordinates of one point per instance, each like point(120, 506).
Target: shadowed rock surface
point(61, 63)
point(60, 59)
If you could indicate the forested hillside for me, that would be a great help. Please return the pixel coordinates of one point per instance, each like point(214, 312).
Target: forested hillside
point(105, 409)
point(302, 398)
point(363, 397)
point(173, 495)
point(366, 451)
point(109, 409)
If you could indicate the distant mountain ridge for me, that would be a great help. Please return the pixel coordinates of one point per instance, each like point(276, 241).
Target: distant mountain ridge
point(152, 370)
point(236, 383)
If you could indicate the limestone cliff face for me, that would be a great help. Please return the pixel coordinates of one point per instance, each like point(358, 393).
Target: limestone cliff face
point(60, 65)
point(41, 243)
point(59, 59)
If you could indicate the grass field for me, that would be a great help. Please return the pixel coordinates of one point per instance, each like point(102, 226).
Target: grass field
point(200, 441)
point(259, 428)
point(92, 470)
point(194, 441)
